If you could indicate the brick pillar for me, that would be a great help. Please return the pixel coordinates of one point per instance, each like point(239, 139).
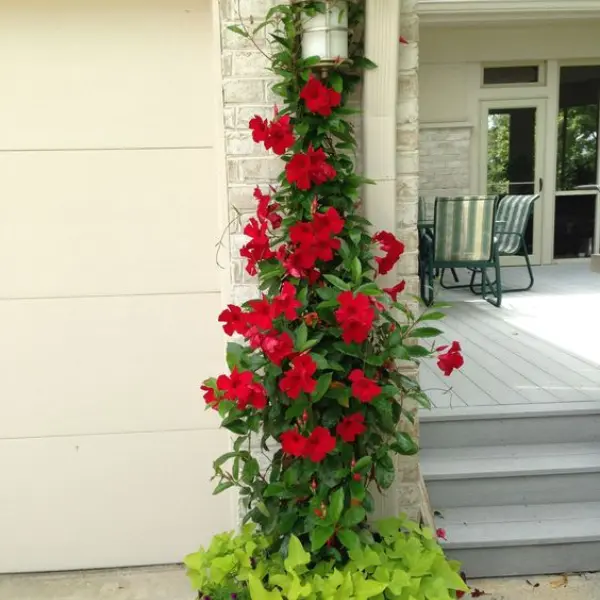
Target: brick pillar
point(412, 495)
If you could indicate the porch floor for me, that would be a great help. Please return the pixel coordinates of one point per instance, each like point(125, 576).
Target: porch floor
point(540, 347)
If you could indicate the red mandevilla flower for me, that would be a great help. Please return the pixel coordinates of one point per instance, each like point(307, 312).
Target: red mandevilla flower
point(304, 170)
point(394, 291)
point(257, 248)
point(293, 443)
point(278, 348)
point(363, 388)
point(319, 444)
point(261, 313)
point(318, 98)
point(234, 320)
point(299, 378)
point(393, 248)
point(441, 534)
point(280, 137)
point(286, 303)
point(259, 128)
point(349, 428)
point(355, 316)
point(257, 397)
point(210, 396)
point(267, 211)
point(451, 359)
point(235, 386)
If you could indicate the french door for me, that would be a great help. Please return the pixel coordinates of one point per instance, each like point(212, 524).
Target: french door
point(512, 158)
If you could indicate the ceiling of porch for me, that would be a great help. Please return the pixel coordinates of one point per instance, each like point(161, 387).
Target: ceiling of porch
point(452, 12)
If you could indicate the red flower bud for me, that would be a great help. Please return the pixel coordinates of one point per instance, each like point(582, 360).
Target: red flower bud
point(313, 485)
point(357, 477)
point(403, 40)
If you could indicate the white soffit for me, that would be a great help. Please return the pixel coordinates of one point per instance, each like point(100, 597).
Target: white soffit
point(440, 12)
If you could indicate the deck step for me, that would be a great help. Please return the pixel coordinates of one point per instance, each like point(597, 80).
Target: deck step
point(523, 540)
point(511, 475)
point(519, 424)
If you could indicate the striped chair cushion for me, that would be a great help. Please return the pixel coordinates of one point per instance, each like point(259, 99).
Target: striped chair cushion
point(513, 215)
point(464, 228)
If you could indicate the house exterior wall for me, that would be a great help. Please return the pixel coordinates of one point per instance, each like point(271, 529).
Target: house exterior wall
point(450, 81)
point(108, 284)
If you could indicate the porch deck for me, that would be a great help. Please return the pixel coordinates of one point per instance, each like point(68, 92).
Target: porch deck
point(540, 347)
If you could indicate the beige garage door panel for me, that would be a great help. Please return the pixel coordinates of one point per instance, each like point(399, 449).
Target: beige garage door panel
point(107, 365)
point(106, 73)
point(86, 223)
point(106, 501)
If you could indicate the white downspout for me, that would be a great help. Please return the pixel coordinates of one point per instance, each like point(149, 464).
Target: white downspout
point(380, 95)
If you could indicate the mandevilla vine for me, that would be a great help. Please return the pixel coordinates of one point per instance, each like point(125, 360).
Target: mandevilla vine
point(316, 375)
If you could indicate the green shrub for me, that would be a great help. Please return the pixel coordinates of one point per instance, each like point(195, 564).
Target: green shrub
point(398, 561)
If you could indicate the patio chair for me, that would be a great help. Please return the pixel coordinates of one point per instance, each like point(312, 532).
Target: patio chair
point(463, 237)
point(512, 218)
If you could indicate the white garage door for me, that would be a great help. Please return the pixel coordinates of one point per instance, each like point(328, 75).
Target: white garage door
point(108, 285)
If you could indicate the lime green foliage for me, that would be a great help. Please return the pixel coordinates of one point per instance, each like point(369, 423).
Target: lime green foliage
point(398, 561)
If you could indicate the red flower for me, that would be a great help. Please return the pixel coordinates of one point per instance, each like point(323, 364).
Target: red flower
point(441, 534)
point(311, 318)
point(280, 137)
point(319, 444)
point(302, 233)
point(260, 129)
point(267, 211)
point(363, 388)
point(349, 428)
point(320, 170)
point(393, 248)
point(286, 303)
point(299, 378)
point(324, 246)
point(236, 386)
point(355, 315)
point(261, 313)
point(329, 221)
point(297, 171)
point(257, 397)
point(234, 319)
point(307, 169)
point(451, 359)
point(403, 40)
point(293, 443)
point(278, 348)
point(318, 98)
point(257, 248)
point(394, 291)
point(210, 396)
point(255, 337)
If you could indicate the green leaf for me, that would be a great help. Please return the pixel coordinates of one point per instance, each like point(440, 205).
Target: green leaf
point(320, 360)
point(238, 30)
point(336, 81)
point(400, 352)
point(367, 588)
point(369, 289)
point(349, 539)
point(354, 516)
point(417, 351)
point(235, 352)
point(224, 485)
point(296, 556)
point(262, 508)
point(363, 465)
point(301, 336)
point(336, 505)
point(250, 471)
point(319, 536)
point(356, 269)
point(258, 591)
point(349, 349)
point(274, 489)
point(323, 385)
point(432, 316)
point(224, 407)
point(425, 332)
point(385, 472)
point(238, 427)
point(357, 490)
point(326, 293)
point(363, 63)
point(405, 444)
point(337, 282)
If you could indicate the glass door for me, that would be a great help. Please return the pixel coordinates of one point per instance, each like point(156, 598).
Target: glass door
point(512, 158)
point(576, 233)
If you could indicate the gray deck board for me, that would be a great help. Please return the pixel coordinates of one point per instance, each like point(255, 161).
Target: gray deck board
point(527, 351)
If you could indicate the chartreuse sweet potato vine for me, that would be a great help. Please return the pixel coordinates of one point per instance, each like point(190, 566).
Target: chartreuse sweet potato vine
point(313, 376)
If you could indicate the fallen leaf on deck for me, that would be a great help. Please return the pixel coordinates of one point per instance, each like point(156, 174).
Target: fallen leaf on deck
point(477, 593)
point(562, 582)
point(534, 585)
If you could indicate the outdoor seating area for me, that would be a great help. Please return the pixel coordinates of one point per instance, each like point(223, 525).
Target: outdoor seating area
point(473, 233)
point(537, 349)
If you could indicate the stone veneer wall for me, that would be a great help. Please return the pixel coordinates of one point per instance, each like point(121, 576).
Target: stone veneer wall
point(246, 92)
point(445, 160)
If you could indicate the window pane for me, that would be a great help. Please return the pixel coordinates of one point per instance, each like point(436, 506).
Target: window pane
point(508, 75)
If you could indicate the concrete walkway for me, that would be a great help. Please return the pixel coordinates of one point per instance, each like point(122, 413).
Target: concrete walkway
point(170, 583)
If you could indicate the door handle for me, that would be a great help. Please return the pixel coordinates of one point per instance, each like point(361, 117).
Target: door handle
point(541, 182)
